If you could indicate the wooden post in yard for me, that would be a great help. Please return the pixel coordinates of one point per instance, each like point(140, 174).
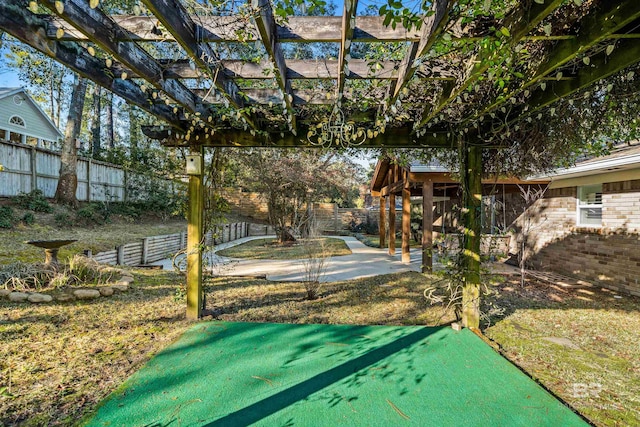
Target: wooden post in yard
point(392, 224)
point(471, 169)
point(382, 222)
point(406, 221)
point(34, 168)
point(195, 169)
point(427, 227)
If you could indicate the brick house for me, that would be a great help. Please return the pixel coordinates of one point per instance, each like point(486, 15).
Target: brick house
point(587, 225)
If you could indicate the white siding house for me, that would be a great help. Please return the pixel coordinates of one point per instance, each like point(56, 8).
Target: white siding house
point(22, 120)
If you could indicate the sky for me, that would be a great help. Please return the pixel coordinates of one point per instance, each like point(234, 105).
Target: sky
point(8, 78)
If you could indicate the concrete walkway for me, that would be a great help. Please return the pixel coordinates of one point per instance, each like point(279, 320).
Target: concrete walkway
point(363, 262)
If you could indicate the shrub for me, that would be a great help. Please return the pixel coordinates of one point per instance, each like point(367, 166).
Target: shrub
point(92, 214)
point(82, 269)
point(25, 276)
point(7, 217)
point(33, 201)
point(62, 219)
point(28, 218)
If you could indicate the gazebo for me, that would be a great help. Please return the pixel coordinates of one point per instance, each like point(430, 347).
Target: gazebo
point(474, 77)
point(391, 179)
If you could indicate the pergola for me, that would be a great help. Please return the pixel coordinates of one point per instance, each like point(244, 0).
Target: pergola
point(446, 86)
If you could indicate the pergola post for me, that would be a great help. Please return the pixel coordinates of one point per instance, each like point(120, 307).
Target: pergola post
point(427, 226)
point(472, 198)
point(382, 222)
point(392, 224)
point(195, 215)
point(406, 221)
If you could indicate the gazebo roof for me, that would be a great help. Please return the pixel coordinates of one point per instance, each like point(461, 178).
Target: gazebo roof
point(442, 177)
point(220, 77)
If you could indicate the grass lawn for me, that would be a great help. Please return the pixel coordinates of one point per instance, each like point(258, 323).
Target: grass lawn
point(597, 371)
point(97, 239)
point(270, 249)
point(59, 360)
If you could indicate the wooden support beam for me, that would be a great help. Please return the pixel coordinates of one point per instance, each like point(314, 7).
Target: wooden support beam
point(599, 25)
point(195, 236)
point(519, 23)
point(392, 224)
point(298, 29)
point(431, 27)
point(625, 54)
point(103, 31)
point(326, 69)
point(393, 137)
point(344, 55)
point(307, 69)
point(471, 170)
point(427, 227)
point(266, 24)
point(382, 229)
point(217, 29)
point(173, 15)
point(406, 223)
point(31, 29)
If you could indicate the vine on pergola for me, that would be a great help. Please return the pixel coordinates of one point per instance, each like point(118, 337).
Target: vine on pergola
point(226, 73)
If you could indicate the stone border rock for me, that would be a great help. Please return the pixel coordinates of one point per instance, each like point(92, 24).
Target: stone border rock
point(72, 294)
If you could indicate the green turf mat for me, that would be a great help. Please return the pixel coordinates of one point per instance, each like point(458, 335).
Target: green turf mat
point(233, 374)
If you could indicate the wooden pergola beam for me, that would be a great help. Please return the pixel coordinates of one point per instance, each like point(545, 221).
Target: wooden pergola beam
point(100, 29)
point(174, 17)
point(393, 137)
point(325, 69)
point(299, 29)
point(31, 30)
point(431, 27)
point(344, 55)
point(518, 24)
point(220, 29)
point(625, 54)
point(595, 28)
point(308, 69)
point(266, 24)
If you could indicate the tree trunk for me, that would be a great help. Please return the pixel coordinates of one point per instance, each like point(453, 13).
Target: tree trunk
point(133, 134)
point(68, 180)
point(95, 128)
point(108, 122)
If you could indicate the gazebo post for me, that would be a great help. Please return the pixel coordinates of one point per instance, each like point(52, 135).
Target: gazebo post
point(392, 224)
point(472, 197)
point(427, 226)
point(406, 220)
point(392, 210)
point(382, 222)
point(195, 169)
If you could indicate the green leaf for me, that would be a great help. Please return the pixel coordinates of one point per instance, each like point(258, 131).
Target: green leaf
point(505, 32)
point(387, 19)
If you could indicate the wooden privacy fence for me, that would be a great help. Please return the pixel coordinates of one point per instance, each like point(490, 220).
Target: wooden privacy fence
point(156, 248)
point(28, 168)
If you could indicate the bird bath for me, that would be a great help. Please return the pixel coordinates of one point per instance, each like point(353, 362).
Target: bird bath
point(51, 248)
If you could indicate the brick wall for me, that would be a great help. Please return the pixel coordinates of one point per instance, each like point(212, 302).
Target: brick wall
point(548, 219)
point(621, 205)
point(608, 256)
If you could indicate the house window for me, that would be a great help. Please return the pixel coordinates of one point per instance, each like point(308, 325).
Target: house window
point(590, 205)
point(17, 120)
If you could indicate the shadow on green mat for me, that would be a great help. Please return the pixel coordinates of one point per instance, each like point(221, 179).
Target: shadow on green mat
point(233, 374)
